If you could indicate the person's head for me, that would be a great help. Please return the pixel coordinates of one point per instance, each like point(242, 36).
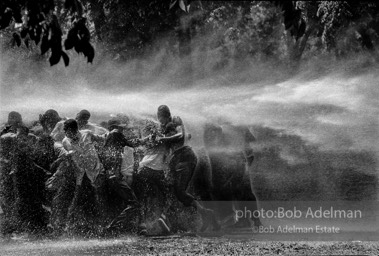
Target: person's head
point(163, 114)
point(213, 135)
point(82, 117)
point(49, 119)
point(70, 128)
point(116, 123)
point(14, 118)
point(170, 129)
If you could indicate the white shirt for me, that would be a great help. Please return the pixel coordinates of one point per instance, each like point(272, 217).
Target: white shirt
point(58, 133)
point(84, 155)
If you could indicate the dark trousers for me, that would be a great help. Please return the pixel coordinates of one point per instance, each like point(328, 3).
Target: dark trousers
point(182, 167)
point(87, 208)
point(29, 191)
point(151, 190)
point(63, 196)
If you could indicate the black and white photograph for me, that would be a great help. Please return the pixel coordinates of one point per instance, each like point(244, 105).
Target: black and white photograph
point(189, 127)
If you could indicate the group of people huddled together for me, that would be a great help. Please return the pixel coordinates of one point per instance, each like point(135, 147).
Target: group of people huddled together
point(70, 175)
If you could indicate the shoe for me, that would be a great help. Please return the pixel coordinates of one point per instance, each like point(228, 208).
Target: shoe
point(142, 230)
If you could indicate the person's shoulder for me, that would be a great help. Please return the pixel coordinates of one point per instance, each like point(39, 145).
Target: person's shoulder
point(96, 128)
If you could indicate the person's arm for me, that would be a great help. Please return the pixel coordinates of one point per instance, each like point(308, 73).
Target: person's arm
point(143, 141)
point(5, 129)
point(174, 138)
point(249, 137)
point(99, 138)
point(179, 135)
point(132, 143)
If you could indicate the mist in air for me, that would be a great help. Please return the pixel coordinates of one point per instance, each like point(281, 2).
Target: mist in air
point(320, 120)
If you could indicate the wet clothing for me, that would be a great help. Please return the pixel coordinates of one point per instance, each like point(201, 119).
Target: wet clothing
point(112, 155)
point(86, 209)
point(58, 133)
point(182, 162)
point(169, 129)
point(85, 156)
point(151, 189)
point(65, 189)
point(88, 204)
point(155, 157)
point(182, 167)
point(150, 183)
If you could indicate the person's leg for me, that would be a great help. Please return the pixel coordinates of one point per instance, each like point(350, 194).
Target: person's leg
point(60, 205)
point(63, 196)
point(123, 190)
point(182, 168)
point(73, 208)
point(127, 219)
point(142, 187)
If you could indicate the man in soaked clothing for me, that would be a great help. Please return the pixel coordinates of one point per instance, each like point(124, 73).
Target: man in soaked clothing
point(182, 162)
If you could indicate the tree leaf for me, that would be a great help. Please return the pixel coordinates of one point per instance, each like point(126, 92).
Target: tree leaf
point(172, 3)
point(183, 5)
point(55, 57)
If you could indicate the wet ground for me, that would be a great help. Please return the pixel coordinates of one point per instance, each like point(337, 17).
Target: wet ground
point(189, 244)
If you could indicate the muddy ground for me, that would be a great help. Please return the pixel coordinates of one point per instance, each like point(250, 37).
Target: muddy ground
point(181, 245)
